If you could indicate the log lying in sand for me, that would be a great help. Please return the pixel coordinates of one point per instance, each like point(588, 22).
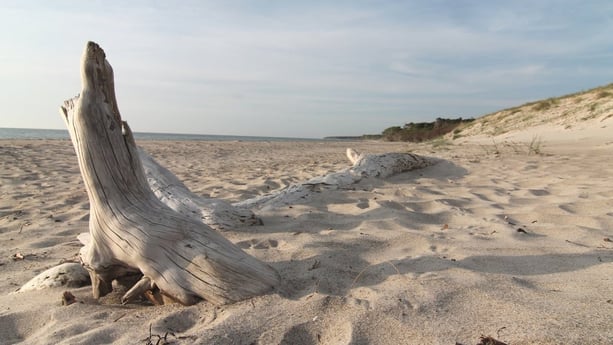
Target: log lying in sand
point(216, 213)
point(375, 165)
point(132, 231)
point(221, 215)
point(385, 165)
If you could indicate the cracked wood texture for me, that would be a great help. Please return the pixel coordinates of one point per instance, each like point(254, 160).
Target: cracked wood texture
point(132, 233)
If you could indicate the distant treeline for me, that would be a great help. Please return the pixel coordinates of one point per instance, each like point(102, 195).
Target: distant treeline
point(361, 137)
point(421, 131)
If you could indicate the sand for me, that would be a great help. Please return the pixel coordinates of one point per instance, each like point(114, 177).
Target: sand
point(498, 239)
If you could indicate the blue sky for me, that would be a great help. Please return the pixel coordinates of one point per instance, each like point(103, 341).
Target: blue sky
point(301, 68)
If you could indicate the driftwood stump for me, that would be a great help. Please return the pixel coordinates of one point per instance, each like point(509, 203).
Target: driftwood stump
point(131, 231)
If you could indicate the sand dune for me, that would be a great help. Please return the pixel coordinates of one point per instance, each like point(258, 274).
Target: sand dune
point(496, 239)
point(582, 115)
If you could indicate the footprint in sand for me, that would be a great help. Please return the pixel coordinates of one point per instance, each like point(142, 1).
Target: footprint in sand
point(52, 242)
point(391, 204)
point(12, 330)
point(179, 321)
point(319, 332)
point(538, 192)
point(258, 244)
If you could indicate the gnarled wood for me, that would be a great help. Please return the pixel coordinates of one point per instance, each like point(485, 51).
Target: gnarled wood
point(131, 230)
point(364, 165)
point(221, 215)
point(216, 213)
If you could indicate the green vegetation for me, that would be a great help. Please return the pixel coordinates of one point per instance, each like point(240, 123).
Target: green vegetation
point(417, 132)
point(603, 91)
point(361, 137)
point(440, 142)
point(535, 145)
point(593, 107)
point(544, 105)
point(371, 137)
point(595, 100)
point(456, 133)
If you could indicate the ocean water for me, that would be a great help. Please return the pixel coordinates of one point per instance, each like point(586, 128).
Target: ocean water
point(28, 133)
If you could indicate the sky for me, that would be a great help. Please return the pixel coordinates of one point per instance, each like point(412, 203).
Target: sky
point(306, 69)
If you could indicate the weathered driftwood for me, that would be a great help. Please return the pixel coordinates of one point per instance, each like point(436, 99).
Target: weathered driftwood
point(132, 232)
point(216, 213)
point(385, 165)
point(374, 165)
point(220, 214)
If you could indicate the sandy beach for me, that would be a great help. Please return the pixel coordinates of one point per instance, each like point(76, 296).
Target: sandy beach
point(498, 239)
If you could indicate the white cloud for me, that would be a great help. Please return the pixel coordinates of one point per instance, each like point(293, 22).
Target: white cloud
point(231, 66)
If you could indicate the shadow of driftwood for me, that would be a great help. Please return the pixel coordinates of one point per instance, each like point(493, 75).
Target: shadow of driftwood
point(339, 264)
point(336, 271)
point(443, 170)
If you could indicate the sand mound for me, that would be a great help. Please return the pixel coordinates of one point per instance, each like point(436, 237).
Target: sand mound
point(583, 115)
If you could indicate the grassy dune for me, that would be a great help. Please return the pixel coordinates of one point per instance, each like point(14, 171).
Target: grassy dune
point(565, 111)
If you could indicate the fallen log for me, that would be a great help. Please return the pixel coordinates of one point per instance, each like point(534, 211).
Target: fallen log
point(219, 214)
point(364, 166)
point(216, 213)
point(131, 231)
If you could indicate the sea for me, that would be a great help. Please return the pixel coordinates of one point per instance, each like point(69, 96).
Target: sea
point(29, 133)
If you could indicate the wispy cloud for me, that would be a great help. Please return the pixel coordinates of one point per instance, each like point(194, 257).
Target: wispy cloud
point(238, 67)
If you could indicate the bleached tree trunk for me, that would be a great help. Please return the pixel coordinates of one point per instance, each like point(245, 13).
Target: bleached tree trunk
point(131, 230)
point(220, 214)
point(363, 166)
point(216, 213)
